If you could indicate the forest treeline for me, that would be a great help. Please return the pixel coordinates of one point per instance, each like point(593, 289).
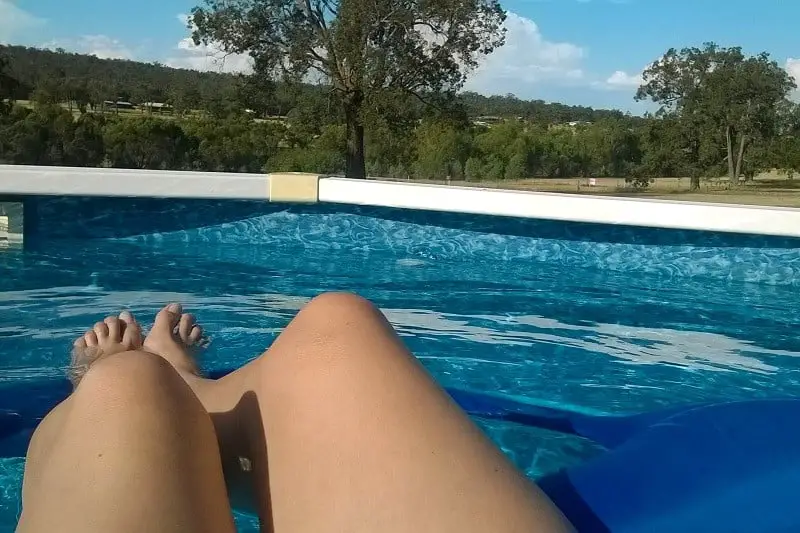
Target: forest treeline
point(52, 113)
point(91, 79)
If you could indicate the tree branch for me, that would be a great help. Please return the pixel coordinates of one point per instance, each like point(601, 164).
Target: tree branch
point(320, 27)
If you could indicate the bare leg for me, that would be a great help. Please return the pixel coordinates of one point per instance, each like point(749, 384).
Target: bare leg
point(347, 432)
point(131, 450)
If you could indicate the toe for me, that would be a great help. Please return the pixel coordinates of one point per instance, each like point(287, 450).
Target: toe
point(114, 328)
point(127, 317)
point(80, 343)
point(167, 319)
point(90, 338)
point(185, 326)
point(195, 335)
point(101, 330)
point(132, 334)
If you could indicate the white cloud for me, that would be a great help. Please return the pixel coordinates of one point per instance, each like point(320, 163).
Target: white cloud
point(205, 57)
point(14, 21)
point(527, 60)
point(622, 80)
point(102, 46)
point(105, 47)
point(793, 68)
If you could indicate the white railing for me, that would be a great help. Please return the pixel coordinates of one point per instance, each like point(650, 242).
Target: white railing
point(23, 181)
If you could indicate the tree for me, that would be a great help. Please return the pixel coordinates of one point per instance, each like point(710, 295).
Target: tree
point(8, 86)
point(516, 169)
point(390, 144)
point(442, 150)
point(721, 92)
point(473, 170)
point(495, 169)
point(256, 93)
point(146, 142)
point(234, 144)
point(77, 91)
point(86, 148)
point(39, 137)
point(363, 51)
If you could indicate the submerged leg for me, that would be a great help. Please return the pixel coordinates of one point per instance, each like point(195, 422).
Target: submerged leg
point(132, 449)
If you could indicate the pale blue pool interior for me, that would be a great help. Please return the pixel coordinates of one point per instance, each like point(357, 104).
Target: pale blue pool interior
point(603, 319)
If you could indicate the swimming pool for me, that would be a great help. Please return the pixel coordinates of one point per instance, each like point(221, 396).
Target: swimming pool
point(600, 319)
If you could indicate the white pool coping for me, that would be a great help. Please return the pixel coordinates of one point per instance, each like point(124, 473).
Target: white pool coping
point(668, 214)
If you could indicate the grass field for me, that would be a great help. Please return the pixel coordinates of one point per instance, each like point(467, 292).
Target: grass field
point(769, 189)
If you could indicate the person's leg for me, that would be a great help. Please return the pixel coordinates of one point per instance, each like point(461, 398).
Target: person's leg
point(358, 437)
point(132, 449)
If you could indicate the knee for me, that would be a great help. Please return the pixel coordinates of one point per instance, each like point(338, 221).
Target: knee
point(340, 307)
point(333, 329)
point(126, 376)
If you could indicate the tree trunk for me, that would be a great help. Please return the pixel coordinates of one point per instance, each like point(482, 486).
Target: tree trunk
point(694, 182)
point(355, 166)
point(731, 163)
point(738, 171)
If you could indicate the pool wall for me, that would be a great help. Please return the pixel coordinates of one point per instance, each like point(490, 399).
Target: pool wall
point(739, 243)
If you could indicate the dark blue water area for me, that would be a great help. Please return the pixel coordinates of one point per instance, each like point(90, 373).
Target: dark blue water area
point(598, 319)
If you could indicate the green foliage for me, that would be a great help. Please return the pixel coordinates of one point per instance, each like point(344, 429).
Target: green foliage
point(8, 86)
point(719, 93)
point(108, 79)
point(441, 150)
point(639, 182)
point(405, 138)
point(146, 142)
point(50, 136)
point(473, 170)
point(88, 148)
point(313, 160)
point(536, 111)
point(234, 144)
point(361, 50)
point(494, 169)
point(389, 147)
point(516, 169)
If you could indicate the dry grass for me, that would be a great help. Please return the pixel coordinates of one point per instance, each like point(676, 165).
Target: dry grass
point(769, 189)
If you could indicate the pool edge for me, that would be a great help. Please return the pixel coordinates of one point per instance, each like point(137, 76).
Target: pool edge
point(23, 181)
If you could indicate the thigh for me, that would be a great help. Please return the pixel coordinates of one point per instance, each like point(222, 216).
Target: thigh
point(131, 450)
point(359, 438)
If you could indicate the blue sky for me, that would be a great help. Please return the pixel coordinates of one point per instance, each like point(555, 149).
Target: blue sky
point(587, 52)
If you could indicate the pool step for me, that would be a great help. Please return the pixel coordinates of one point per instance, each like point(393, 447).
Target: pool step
point(295, 187)
point(11, 223)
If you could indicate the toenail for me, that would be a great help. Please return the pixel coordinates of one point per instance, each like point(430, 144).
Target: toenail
point(174, 308)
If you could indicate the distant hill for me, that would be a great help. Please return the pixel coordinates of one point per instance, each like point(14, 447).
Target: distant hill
point(111, 79)
point(536, 110)
point(118, 78)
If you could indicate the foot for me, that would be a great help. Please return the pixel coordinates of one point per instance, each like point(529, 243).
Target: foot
point(176, 337)
point(115, 334)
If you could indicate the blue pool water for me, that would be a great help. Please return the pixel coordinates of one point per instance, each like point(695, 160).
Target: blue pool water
point(597, 319)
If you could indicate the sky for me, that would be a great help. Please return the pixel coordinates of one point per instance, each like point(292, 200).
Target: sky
point(580, 52)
